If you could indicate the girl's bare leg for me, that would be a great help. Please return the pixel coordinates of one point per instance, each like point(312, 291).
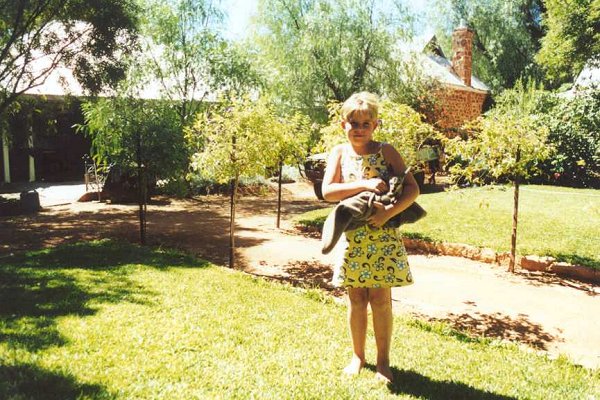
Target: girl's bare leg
point(381, 306)
point(358, 299)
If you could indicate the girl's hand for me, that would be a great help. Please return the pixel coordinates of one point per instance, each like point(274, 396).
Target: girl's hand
point(376, 185)
point(380, 216)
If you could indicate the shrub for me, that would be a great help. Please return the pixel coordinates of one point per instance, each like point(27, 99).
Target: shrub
point(499, 147)
point(575, 133)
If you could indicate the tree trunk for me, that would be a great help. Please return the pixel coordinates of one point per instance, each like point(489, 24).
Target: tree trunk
point(141, 191)
point(98, 189)
point(232, 200)
point(279, 194)
point(513, 241)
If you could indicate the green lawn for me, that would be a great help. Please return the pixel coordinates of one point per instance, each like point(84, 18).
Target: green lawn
point(556, 221)
point(107, 320)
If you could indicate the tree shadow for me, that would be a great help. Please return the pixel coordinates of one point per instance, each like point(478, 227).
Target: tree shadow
point(23, 381)
point(38, 287)
point(312, 274)
point(498, 325)
point(420, 386)
point(198, 227)
point(537, 278)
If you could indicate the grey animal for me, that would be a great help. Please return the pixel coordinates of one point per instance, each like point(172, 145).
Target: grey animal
point(354, 212)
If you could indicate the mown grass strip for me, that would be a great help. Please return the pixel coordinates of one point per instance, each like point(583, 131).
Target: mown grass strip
point(107, 320)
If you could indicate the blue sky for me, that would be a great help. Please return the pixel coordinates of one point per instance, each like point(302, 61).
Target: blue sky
point(240, 11)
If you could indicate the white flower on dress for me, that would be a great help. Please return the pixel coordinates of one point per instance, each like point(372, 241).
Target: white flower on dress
point(385, 237)
point(371, 248)
point(389, 250)
point(401, 251)
point(354, 265)
point(360, 234)
point(356, 252)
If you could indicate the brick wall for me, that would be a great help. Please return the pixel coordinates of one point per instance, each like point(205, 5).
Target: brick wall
point(458, 106)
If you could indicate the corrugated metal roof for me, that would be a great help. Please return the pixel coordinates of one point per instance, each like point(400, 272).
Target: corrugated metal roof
point(430, 56)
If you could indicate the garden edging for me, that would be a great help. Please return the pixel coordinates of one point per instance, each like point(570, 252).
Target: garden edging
point(487, 255)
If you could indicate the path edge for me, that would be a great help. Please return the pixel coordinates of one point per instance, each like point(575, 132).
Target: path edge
point(545, 264)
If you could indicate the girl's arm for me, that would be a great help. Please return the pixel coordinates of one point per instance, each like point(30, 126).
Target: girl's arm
point(410, 190)
point(334, 190)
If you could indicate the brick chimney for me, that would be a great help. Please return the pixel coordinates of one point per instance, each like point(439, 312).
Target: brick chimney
point(462, 53)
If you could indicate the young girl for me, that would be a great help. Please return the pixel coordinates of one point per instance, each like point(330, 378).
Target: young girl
point(374, 258)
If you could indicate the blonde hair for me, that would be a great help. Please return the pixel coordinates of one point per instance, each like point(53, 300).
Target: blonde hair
point(360, 103)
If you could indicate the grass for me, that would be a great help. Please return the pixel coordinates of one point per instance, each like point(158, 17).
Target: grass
point(555, 221)
point(106, 320)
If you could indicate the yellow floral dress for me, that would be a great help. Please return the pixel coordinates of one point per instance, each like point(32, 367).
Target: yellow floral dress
point(370, 257)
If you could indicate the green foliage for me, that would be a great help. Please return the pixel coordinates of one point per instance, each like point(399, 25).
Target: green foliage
point(401, 126)
point(244, 139)
point(506, 143)
point(321, 50)
point(117, 124)
point(184, 52)
point(572, 38)
point(574, 126)
point(507, 35)
point(81, 34)
point(292, 138)
point(526, 98)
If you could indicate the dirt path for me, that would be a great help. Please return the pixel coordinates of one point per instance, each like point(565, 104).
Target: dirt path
point(544, 312)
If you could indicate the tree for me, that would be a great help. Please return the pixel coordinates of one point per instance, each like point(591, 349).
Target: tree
point(507, 36)
point(141, 137)
point(507, 143)
point(291, 144)
point(36, 37)
point(572, 39)
point(184, 52)
point(320, 50)
point(238, 142)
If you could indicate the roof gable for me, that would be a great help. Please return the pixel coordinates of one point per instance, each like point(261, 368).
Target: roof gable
point(429, 54)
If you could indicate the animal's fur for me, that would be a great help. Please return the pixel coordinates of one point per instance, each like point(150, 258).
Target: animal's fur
point(354, 212)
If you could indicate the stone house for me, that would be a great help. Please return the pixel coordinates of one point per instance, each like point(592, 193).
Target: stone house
point(462, 96)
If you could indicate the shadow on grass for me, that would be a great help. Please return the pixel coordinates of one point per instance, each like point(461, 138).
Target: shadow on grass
point(421, 386)
point(38, 287)
point(24, 381)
